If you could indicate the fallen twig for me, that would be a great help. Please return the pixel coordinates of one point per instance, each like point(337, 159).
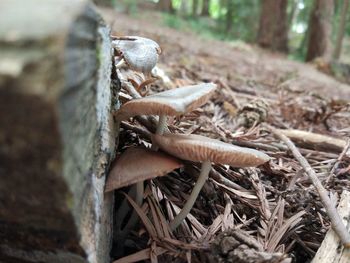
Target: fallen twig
point(337, 223)
point(139, 130)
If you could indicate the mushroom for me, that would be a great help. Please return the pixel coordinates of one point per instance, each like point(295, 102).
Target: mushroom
point(202, 149)
point(134, 165)
point(139, 53)
point(167, 103)
point(138, 164)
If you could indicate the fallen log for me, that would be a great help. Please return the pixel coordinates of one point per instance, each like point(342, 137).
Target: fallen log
point(57, 134)
point(315, 141)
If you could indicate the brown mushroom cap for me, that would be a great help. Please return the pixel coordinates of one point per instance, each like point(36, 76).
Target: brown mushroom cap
point(199, 148)
point(141, 54)
point(137, 164)
point(171, 102)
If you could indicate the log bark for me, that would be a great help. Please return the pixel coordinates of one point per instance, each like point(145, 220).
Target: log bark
point(56, 132)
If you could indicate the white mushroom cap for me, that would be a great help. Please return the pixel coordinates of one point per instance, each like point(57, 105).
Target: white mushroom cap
point(171, 102)
point(137, 164)
point(199, 148)
point(141, 54)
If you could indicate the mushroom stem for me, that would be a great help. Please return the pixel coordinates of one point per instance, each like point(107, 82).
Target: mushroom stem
point(161, 124)
point(120, 64)
point(139, 193)
point(203, 176)
point(160, 130)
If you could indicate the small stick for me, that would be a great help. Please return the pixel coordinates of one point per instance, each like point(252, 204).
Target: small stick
point(339, 159)
point(139, 130)
point(216, 176)
point(332, 212)
point(315, 141)
point(130, 89)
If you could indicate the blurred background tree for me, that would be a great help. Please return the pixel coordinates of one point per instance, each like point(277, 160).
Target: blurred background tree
point(341, 29)
point(302, 29)
point(320, 30)
point(273, 25)
point(165, 6)
point(205, 8)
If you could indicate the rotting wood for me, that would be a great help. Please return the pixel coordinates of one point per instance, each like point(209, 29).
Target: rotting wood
point(56, 132)
point(331, 250)
point(315, 141)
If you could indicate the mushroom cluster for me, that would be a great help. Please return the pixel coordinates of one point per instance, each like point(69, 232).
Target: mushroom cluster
point(138, 164)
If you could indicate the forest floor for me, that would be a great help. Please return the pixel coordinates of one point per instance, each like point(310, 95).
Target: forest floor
point(295, 96)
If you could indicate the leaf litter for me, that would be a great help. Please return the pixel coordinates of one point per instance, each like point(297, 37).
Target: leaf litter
point(272, 211)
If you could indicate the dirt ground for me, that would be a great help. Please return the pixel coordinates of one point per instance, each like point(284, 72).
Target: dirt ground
point(223, 60)
point(299, 97)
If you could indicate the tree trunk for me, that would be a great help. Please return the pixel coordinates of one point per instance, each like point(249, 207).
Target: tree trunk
point(165, 6)
point(273, 26)
point(341, 30)
point(205, 8)
point(320, 30)
point(229, 16)
point(57, 133)
point(194, 7)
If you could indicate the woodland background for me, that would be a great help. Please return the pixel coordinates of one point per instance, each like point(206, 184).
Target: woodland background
point(302, 29)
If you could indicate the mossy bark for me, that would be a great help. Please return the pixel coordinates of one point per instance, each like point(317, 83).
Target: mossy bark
point(57, 133)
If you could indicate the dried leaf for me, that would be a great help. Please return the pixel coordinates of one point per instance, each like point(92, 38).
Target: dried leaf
point(288, 225)
point(146, 222)
point(140, 255)
point(157, 225)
